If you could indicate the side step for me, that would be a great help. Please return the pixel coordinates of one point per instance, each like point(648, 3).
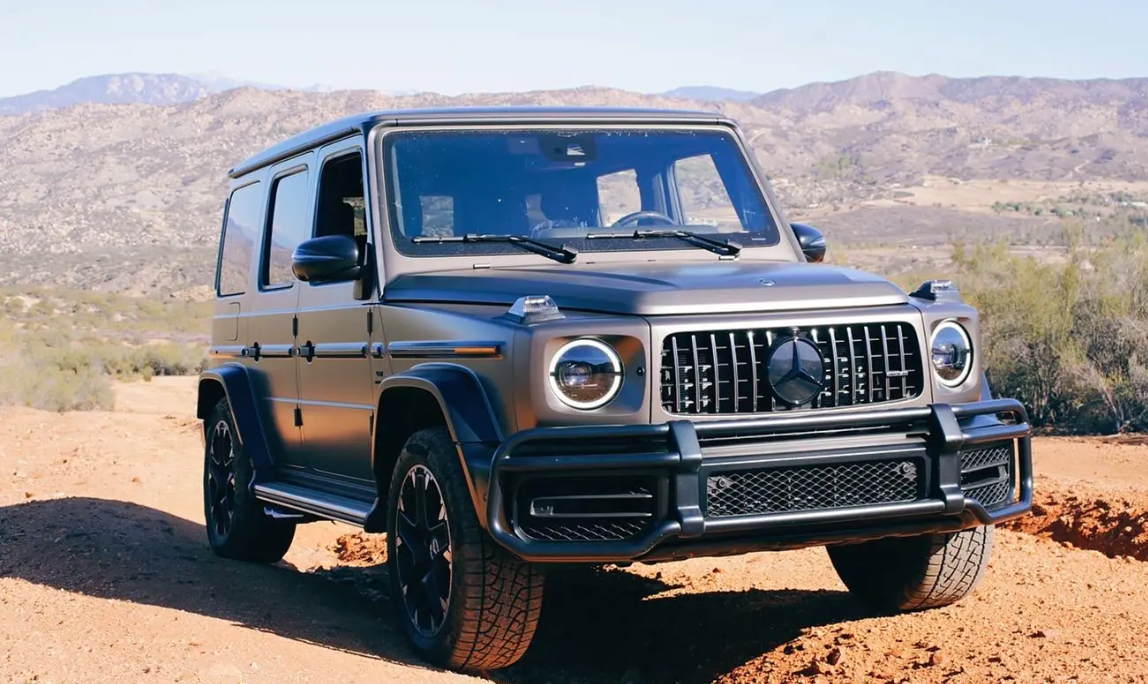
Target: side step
point(321, 504)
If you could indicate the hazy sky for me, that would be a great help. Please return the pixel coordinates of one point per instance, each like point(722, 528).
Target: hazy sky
point(453, 46)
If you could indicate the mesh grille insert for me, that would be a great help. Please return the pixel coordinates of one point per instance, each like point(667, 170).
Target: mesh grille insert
point(604, 531)
point(987, 474)
point(780, 490)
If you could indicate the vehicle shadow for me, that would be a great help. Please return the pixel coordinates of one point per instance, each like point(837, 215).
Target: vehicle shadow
point(597, 626)
point(125, 551)
point(612, 626)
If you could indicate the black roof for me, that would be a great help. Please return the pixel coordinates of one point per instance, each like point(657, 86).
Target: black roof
point(348, 125)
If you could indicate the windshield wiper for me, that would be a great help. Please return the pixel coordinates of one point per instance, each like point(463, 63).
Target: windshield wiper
point(723, 247)
point(562, 253)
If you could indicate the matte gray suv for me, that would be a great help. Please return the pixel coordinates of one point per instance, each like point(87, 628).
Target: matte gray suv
point(508, 338)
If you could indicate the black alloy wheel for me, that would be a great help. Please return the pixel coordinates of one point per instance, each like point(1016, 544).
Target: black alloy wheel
point(425, 555)
point(221, 479)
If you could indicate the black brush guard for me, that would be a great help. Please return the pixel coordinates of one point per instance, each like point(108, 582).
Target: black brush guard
point(674, 449)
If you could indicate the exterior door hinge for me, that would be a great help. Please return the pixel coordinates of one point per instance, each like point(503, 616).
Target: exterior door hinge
point(295, 327)
point(371, 426)
point(298, 417)
point(370, 322)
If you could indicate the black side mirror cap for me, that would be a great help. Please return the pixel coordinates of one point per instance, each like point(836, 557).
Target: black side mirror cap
point(811, 240)
point(327, 259)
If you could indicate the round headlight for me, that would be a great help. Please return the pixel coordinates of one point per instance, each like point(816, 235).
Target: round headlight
point(586, 374)
point(951, 353)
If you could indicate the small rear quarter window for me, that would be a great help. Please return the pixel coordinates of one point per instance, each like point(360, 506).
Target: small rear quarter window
point(236, 249)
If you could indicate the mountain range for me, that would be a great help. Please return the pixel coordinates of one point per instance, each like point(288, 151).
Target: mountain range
point(137, 163)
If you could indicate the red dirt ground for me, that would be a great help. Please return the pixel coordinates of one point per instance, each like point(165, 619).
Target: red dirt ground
point(105, 576)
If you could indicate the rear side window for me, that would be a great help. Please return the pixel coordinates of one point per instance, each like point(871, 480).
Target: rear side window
point(244, 219)
point(290, 225)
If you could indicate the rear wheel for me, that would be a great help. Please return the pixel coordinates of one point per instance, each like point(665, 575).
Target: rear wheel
point(464, 603)
point(915, 573)
point(237, 527)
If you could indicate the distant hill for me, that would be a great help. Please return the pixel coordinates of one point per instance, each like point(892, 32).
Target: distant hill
point(152, 89)
point(710, 94)
point(108, 177)
point(886, 87)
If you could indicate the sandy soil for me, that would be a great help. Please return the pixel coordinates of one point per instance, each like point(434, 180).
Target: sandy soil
point(105, 576)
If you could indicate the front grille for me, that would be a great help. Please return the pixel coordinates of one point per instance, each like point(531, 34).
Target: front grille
point(589, 531)
point(726, 371)
point(809, 488)
point(987, 474)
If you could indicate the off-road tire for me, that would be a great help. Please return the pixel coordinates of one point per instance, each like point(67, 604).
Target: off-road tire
point(495, 599)
point(251, 535)
point(902, 574)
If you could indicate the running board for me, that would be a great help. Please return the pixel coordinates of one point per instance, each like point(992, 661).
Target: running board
point(321, 504)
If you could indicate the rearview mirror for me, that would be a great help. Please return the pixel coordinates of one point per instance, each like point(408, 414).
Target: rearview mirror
point(327, 259)
point(811, 240)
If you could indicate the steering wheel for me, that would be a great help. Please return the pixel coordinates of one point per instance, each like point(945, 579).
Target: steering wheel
point(636, 216)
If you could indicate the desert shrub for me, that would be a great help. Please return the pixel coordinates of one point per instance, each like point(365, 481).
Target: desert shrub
point(1069, 339)
point(33, 377)
point(62, 352)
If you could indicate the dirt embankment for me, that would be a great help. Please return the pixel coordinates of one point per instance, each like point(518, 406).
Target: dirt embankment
point(105, 577)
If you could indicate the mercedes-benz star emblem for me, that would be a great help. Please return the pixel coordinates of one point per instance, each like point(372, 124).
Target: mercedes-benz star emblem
point(796, 370)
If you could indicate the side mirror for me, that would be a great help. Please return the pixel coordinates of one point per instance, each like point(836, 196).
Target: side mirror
point(811, 240)
point(327, 259)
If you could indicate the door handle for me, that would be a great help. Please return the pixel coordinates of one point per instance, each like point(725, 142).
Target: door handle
point(377, 350)
point(251, 352)
point(307, 351)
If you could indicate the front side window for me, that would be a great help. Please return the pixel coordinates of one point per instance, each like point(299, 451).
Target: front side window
point(289, 226)
point(584, 188)
point(705, 201)
point(244, 219)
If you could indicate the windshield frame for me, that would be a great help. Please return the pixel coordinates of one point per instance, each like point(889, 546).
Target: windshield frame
point(401, 259)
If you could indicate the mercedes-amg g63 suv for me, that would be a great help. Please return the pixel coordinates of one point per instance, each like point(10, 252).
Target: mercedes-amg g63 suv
point(511, 338)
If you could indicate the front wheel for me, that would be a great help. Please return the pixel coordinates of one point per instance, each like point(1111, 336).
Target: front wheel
point(464, 603)
point(915, 573)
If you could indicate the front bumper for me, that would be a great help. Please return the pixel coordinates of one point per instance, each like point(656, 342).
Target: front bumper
point(832, 495)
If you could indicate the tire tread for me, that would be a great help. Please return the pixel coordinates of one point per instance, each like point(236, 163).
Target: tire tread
point(915, 573)
point(502, 596)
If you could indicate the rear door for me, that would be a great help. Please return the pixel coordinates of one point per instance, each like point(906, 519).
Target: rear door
point(271, 323)
point(334, 364)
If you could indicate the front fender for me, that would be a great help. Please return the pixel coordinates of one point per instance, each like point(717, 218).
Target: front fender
point(465, 406)
point(469, 417)
point(233, 382)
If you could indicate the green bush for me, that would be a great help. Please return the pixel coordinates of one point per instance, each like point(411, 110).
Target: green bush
point(61, 349)
point(38, 383)
point(1068, 339)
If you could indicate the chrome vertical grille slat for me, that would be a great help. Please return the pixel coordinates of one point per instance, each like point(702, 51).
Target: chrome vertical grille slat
point(753, 370)
point(901, 349)
point(869, 363)
point(836, 368)
point(717, 373)
point(885, 359)
point(698, 377)
point(736, 379)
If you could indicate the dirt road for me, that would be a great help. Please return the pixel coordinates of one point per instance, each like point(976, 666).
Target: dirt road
point(105, 576)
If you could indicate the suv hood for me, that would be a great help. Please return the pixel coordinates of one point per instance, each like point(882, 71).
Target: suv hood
point(657, 289)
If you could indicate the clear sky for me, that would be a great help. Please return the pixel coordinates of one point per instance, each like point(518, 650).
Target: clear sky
point(453, 46)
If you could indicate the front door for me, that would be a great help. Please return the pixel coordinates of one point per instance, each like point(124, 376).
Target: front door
point(334, 363)
point(271, 323)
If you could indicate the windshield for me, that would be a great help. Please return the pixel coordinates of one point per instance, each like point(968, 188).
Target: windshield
point(560, 186)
